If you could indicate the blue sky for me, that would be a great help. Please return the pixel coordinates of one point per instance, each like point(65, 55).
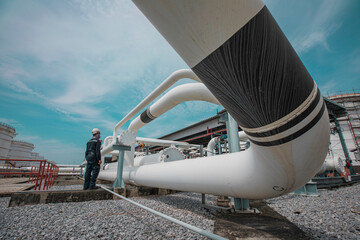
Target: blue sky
point(69, 66)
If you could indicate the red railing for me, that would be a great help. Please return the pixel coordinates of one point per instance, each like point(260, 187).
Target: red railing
point(42, 174)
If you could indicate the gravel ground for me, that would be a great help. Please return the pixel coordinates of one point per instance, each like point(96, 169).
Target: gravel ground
point(335, 214)
point(69, 187)
point(110, 219)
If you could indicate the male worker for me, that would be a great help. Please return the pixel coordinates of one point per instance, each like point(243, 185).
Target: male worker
point(93, 158)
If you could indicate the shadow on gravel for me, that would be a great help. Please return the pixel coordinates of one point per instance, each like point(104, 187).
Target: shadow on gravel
point(183, 201)
point(267, 224)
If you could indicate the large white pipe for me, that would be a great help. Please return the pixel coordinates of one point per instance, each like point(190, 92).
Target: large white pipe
point(255, 173)
point(171, 80)
point(177, 95)
point(239, 52)
point(161, 142)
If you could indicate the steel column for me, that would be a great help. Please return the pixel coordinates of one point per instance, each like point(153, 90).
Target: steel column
point(119, 183)
point(234, 146)
point(344, 147)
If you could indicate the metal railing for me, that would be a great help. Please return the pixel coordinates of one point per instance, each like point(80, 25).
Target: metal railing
point(41, 172)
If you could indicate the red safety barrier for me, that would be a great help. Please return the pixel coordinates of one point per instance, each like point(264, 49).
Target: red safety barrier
point(42, 174)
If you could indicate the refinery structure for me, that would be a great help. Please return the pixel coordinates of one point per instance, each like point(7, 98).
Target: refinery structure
point(276, 135)
point(350, 124)
point(15, 149)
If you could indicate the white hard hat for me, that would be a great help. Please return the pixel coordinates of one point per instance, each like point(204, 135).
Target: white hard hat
point(95, 131)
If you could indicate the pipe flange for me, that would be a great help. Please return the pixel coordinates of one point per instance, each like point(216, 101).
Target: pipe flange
point(127, 137)
point(339, 165)
point(171, 154)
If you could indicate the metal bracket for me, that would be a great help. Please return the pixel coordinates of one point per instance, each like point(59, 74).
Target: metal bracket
point(119, 183)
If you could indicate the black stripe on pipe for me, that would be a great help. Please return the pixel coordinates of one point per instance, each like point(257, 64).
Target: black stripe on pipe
point(256, 74)
point(290, 124)
point(146, 116)
point(294, 135)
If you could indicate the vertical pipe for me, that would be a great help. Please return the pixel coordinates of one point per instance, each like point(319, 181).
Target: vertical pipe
point(219, 146)
point(234, 146)
point(344, 147)
point(232, 133)
point(201, 155)
point(119, 183)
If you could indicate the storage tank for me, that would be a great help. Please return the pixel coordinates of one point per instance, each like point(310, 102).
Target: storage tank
point(35, 155)
point(7, 133)
point(20, 150)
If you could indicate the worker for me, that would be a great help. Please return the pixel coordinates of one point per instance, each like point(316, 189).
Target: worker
point(93, 158)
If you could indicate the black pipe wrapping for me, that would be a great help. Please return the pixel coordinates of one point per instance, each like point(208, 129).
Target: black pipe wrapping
point(256, 74)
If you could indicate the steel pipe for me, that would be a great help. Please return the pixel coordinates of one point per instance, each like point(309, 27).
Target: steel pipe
point(239, 52)
point(171, 80)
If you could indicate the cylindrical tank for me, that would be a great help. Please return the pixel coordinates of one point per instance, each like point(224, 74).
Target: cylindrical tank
point(20, 150)
point(7, 133)
point(35, 155)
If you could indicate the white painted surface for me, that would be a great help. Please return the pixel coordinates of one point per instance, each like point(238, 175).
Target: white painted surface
point(197, 28)
point(257, 173)
point(6, 135)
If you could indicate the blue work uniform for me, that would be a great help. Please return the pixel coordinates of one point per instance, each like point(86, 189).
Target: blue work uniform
point(93, 156)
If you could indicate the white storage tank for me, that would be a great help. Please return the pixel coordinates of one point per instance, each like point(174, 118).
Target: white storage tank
point(35, 155)
point(7, 133)
point(20, 150)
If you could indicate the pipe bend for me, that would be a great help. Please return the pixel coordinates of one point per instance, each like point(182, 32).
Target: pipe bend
point(177, 95)
point(168, 82)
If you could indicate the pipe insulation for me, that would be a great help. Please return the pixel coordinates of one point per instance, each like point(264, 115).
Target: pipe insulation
point(241, 55)
point(177, 95)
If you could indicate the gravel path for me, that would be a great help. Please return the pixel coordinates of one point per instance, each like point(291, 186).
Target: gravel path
point(111, 219)
point(333, 215)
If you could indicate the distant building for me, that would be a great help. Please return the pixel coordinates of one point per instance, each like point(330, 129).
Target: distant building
point(350, 125)
point(14, 149)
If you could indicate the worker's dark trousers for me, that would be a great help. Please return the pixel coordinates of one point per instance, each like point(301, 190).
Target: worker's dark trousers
point(91, 173)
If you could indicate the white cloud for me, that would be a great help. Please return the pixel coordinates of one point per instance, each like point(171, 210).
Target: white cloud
point(319, 26)
point(56, 150)
point(82, 53)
